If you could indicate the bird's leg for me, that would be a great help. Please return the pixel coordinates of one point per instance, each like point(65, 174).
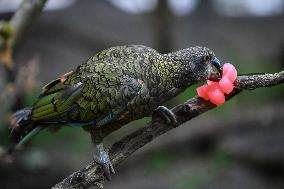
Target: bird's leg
point(103, 159)
point(102, 156)
point(166, 114)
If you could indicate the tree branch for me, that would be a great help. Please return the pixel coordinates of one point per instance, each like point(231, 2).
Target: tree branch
point(10, 34)
point(26, 14)
point(92, 174)
point(21, 21)
point(13, 31)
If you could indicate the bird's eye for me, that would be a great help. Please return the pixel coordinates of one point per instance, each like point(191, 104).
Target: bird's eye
point(206, 58)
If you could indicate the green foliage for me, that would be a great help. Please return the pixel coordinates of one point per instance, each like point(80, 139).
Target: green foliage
point(68, 139)
point(199, 178)
point(159, 161)
point(31, 97)
point(218, 160)
point(5, 30)
point(4, 136)
point(193, 181)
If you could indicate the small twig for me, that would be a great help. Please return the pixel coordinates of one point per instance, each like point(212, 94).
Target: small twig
point(256, 81)
point(10, 34)
point(12, 94)
point(26, 15)
point(92, 174)
point(13, 31)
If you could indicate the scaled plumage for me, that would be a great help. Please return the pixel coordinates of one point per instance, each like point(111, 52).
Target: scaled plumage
point(114, 87)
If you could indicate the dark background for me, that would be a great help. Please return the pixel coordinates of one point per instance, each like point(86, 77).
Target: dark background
point(237, 145)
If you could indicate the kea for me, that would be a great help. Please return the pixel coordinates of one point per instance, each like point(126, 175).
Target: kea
point(112, 88)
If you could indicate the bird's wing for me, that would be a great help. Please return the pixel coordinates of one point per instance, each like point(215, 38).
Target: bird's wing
point(97, 89)
point(104, 104)
point(56, 98)
point(110, 81)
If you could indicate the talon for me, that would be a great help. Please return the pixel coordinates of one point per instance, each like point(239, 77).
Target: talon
point(165, 113)
point(104, 161)
point(189, 108)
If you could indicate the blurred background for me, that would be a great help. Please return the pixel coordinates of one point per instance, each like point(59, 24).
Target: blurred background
point(237, 145)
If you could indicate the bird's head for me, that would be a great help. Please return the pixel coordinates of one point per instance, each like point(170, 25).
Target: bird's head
point(196, 64)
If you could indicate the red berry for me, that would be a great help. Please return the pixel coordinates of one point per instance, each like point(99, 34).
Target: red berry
point(226, 85)
point(214, 91)
point(202, 91)
point(230, 72)
point(216, 96)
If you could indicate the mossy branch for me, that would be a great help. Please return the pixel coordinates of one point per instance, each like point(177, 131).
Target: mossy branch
point(92, 174)
point(24, 17)
point(11, 32)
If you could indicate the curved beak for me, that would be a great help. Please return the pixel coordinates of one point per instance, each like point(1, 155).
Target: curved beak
point(217, 64)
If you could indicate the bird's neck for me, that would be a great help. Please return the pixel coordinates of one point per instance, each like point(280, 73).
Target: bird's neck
point(170, 72)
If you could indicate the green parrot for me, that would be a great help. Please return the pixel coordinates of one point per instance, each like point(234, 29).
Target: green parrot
point(112, 88)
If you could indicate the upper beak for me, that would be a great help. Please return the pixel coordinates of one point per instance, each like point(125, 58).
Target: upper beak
point(217, 64)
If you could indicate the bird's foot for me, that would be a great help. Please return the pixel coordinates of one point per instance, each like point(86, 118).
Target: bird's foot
point(103, 159)
point(166, 114)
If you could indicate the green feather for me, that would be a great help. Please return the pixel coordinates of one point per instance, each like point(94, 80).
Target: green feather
point(30, 135)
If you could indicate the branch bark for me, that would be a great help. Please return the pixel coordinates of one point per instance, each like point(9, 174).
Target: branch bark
point(10, 34)
point(13, 31)
point(24, 17)
point(92, 174)
point(21, 21)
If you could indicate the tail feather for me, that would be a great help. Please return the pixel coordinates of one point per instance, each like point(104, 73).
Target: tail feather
point(19, 117)
point(21, 124)
point(30, 135)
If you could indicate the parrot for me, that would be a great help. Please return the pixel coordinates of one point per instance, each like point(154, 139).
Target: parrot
point(112, 88)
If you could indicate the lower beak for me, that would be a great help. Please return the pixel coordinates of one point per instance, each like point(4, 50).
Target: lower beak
point(217, 64)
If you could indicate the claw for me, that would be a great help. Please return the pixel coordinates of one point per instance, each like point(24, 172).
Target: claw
point(104, 161)
point(165, 113)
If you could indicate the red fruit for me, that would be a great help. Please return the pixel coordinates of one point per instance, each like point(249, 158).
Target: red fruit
point(202, 91)
point(216, 96)
point(227, 67)
point(230, 72)
point(210, 82)
point(226, 85)
point(214, 91)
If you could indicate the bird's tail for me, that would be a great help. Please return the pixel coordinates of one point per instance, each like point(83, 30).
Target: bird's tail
point(22, 127)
